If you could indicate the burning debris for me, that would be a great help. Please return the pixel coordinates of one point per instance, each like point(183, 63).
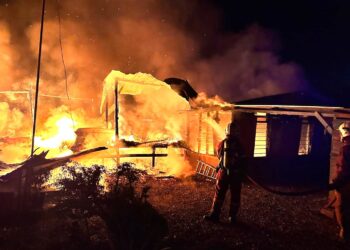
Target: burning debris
point(142, 120)
point(38, 163)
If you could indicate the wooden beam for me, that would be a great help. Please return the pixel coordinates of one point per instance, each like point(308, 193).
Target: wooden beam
point(294, 112)
point(324, 123)
point(136, 155)
point(291, 107)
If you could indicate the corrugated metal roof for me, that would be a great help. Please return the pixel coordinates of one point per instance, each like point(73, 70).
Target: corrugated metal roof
point(308, 99)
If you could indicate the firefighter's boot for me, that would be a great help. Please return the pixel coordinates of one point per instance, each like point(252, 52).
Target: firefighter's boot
point(214, 214)
point(343, 233)
point(232, 220)
point(211, 217)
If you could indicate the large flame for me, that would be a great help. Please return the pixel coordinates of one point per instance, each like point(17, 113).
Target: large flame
point(150, 112)
point(60, 139)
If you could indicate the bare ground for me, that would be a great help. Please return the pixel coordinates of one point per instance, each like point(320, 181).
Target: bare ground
point(265, 221)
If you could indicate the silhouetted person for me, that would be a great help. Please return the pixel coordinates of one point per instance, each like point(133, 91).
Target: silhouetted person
point(341, 184)
point(229, 175)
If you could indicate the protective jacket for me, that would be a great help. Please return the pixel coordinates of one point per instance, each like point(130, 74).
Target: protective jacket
point(229, 176)
point(341, 183)
point(343, 165)
point(232, 161)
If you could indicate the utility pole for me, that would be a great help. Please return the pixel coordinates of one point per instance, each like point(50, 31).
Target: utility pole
point(27, 173)
point(38, 75)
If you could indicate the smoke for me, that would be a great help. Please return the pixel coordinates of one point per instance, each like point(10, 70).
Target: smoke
point(164, 38)
point(246, 67)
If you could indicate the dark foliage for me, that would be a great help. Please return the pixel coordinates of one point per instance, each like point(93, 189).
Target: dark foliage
point(130, 221)
point(36, 195)
point(81, 188)
point(134, 223)
point(25, 207)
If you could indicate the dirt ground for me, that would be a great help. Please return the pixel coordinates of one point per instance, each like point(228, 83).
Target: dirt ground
point(265, 221)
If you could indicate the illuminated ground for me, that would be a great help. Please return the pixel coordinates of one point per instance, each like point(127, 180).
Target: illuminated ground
point(266, 221)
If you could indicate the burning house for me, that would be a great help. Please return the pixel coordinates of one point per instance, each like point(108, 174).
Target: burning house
point(288, 138)
point(143, 123)
point(166, 127)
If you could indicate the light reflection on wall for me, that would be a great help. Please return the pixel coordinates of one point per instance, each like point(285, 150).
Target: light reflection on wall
point(260, 136)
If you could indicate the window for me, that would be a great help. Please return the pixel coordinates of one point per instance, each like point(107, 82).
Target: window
point(260, 136)
point(305, 138)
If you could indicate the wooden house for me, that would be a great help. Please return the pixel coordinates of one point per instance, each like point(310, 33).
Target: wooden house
point(291, 140)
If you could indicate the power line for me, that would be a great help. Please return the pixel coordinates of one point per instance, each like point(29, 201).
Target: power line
point(63, 62)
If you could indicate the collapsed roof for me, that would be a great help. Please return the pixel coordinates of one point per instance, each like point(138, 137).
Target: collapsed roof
point(136, 84)
point(182, 87)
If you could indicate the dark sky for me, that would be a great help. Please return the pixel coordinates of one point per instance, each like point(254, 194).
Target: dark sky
point(314, 34)
point(235, 49)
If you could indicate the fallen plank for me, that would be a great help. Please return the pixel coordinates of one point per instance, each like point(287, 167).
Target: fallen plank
point(39, 163)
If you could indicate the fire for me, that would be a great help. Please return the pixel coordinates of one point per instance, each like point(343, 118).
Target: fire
point(60, 139)
point(155, 123)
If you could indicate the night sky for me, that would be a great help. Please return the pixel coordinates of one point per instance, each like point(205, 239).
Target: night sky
point(235, 49)
point(314, 34)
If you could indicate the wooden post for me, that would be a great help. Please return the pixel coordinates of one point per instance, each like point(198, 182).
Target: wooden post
point(116, 111)
point(107, 113)
point(215, 137)
point(116, 123)
point(153, 156)
point(199, 132)
point(207, 135)
point(188, 134)
point(325, 124)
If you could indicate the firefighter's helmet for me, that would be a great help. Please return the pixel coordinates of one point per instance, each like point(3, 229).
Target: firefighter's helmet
point(344, 129)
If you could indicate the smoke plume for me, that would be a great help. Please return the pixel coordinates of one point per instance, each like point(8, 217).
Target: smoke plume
point(164, 38)
point(85, 39)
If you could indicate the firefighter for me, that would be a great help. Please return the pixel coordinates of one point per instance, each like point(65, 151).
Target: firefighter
point(341, 184)
point(230, 173)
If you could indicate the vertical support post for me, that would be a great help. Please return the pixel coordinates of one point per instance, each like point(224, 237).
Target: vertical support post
point(116, 111)
point(188, 134)
point(107, 113)
point(153, 156)
point(200, 132)
point(215, 137)
point(207, 135)
point(116, 116)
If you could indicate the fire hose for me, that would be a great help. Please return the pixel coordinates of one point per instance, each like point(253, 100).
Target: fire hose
point(299, 193)
point(285, 193)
